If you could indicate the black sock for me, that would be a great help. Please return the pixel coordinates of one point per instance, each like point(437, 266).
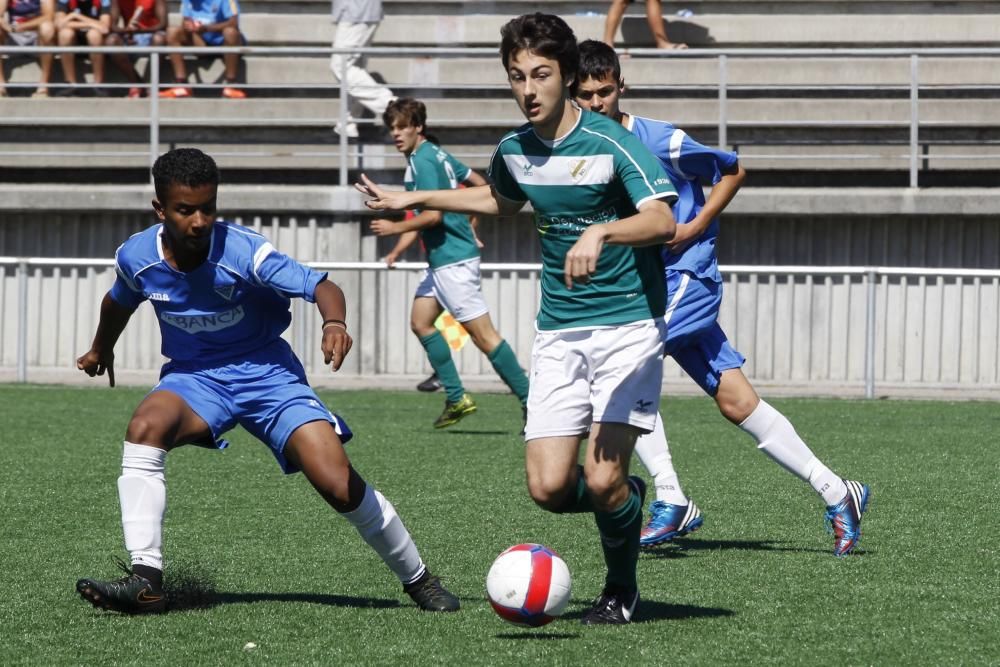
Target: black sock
point(154, 576)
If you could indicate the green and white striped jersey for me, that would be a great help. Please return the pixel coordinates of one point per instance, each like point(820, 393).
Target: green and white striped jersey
point(430, 167)
point(598, 172)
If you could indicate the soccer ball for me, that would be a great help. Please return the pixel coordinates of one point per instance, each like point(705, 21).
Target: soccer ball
point(528, 585)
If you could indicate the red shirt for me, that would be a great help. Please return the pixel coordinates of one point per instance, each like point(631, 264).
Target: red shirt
point(148, 17)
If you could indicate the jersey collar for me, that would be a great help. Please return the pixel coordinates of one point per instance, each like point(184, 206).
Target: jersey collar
point(558, 140)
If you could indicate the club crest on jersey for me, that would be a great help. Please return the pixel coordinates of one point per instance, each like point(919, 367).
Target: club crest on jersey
point(225, 291)
point(577, 169)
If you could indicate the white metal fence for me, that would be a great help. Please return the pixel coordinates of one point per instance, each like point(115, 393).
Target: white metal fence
point(822, 326)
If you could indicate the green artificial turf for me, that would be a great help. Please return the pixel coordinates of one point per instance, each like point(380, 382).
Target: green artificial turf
point(257, 557)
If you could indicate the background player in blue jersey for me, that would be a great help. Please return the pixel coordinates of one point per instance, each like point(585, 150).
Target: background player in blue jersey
point(221, 294)
point(602, 209)
point(452, 279)
point(694, 339)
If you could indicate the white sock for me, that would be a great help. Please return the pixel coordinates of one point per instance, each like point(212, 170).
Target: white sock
point(142, 492)
point(777, 438)
point(654, 453)
point(383, 530)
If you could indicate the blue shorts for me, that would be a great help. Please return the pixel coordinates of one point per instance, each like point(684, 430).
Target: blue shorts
point(266, 393)
point(216, 38)
point(694, 338)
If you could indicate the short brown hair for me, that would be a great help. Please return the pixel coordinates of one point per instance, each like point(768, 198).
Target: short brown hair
point(545, 34)
point(406, 109)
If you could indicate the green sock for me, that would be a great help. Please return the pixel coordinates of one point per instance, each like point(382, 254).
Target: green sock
point(509, 370)
point(439, 354)
point(620, 530)
point(579, 500)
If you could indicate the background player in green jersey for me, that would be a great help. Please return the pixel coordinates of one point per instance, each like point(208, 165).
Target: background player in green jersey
point(602, 206)
point(452, 280)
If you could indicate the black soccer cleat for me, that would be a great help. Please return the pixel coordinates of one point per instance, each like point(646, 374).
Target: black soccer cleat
point(132, 594)
point(614, 606)
point(430, 384)
point(430, 595)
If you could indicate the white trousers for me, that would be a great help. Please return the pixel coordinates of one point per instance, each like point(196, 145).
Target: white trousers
point(361, 87)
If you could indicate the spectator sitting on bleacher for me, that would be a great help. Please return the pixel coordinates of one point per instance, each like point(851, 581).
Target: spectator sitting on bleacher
point(28, 23)
point(206, 23)
point(357, 21)
point(136, 23)
point(82, 22)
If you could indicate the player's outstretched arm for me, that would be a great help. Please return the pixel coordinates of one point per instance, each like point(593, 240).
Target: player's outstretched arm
point(101, 355)
point(482, 199)
point(718, 199)
point(333, 309)
point(652, 225)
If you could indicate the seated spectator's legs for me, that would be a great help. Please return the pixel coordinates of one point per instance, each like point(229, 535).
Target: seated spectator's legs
point(67, 37)
point(3, 77)
point(46, 37)
point(178, 36)
point(96, 39)
point(123, 61)
point(232, 37)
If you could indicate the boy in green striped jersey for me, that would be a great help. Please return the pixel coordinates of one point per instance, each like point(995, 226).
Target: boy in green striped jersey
point(452, 280)
point(602, 208)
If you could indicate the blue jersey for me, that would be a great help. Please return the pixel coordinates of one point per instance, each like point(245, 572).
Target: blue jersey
point(236, 302)
point(688, 164)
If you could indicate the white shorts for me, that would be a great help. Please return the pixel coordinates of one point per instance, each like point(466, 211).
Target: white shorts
point(456, 287)
point(589, 376)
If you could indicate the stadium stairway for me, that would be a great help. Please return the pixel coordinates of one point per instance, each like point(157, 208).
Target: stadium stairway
point(796, 121)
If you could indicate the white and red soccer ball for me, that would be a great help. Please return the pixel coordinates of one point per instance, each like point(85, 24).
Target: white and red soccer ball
point(528, 585)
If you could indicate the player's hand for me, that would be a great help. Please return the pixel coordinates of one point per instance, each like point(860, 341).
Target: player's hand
point(381, 200)
point(479, 241)
point(390, 259)
point(383, 227)
point(336, 344)
point(95, 363)
point(190, 25)
point(581, 260)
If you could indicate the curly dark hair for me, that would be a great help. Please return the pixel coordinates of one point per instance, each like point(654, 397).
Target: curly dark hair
point(185, 166)
point(411, 111)
point(597, 60)
point(546, 35)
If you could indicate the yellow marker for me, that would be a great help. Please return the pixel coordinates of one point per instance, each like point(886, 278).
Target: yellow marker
point(452, 330)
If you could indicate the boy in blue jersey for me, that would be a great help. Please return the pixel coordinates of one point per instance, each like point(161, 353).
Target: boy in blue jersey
point(695, 340)
point(206, 23)
point(602, 209)
point(452, 280)
point(221, 294)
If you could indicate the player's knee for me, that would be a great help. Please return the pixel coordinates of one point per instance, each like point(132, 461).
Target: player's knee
point(46, 32)
point(606, 491)
point(66, 36)
point(159, 39)
point(113, 40)
point(145, 429)
point(547, 493)
point(231, 36)
point(737, 408)
point(175, 35)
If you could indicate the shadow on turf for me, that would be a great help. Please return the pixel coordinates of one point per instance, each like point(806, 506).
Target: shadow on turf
point(537, 635)
point(677, 548)
point(653, 610)
point(188, 591)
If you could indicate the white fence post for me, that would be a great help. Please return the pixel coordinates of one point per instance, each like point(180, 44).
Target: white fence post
point(22, 321)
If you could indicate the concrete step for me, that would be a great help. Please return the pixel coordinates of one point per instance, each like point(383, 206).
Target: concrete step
point(499, 113)
point(384, 159)
point(486, 73)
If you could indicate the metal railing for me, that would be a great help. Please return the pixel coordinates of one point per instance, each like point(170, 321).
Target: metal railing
point(839, 325)
point(723, 87)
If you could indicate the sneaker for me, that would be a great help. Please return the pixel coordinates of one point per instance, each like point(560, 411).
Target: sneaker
point(132, 594)
point(134, 93)
point(453, 412)
point(430, 384)
point(41, 93)
point(613, 607)
point(177, 92)
point(668, 521)
point(233, 93)
point(349, 129)
point(844, 518)
point(430, 595)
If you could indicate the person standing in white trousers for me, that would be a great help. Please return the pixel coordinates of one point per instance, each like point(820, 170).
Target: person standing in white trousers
point(356, 22)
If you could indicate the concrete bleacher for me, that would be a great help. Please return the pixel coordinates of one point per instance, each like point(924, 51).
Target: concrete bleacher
point(776, 106)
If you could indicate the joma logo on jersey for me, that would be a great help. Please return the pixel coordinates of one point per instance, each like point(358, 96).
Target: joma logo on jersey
point(159, 296)
point(206, 322)
point(526, 168)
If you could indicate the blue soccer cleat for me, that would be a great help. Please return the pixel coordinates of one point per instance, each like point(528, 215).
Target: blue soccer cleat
point(669, 521)
point(844, 518)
